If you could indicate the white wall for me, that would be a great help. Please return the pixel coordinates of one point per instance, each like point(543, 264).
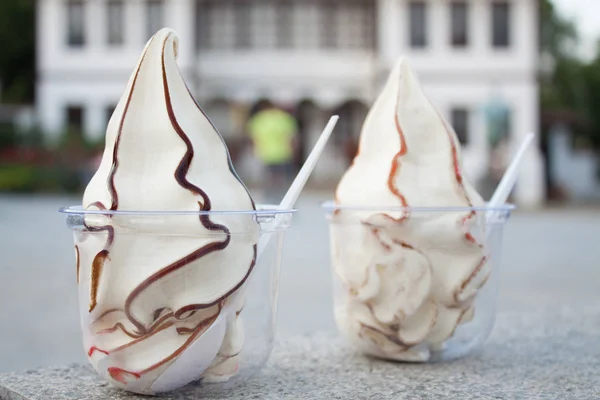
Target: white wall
point(479, 57)
point(95, 75)
point(328, 78)
point(573, 170)
point(470, 76)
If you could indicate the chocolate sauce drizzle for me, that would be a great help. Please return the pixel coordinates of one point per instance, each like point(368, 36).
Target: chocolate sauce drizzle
point(162, 322)
point(97, 266)
point(395, 168)
point(386, 336)
point(77, 261)
point(205, 205)
point(229, 161)
point(99, 259)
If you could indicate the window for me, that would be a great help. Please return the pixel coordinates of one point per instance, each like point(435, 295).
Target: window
point(460, 123)
point(307, 24)
point(459, 15)
point(115, 10)
point(262, 25)
point(154, 17)
point(353, 26)
point(500, 24)
point(75, 119)
point(350, 25)
point(242, 25)
point(110, 110)
point(203, 11)
point(76, 23)
point(418, 24)
point(215, 24)
point(284, 25)
point(328, 27)
point(220, 29)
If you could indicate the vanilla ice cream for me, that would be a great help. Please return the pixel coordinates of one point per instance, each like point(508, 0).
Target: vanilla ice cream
point(407, 280)
point(151, 295)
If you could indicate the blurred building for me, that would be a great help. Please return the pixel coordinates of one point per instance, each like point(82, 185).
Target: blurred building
point(477, 61)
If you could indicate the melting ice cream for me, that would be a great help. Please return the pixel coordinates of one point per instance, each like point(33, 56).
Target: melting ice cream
point(151, 295)
point(408, 280)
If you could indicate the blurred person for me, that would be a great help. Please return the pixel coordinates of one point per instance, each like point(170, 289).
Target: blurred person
point(274, 132)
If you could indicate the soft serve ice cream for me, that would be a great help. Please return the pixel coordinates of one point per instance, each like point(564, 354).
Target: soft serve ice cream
point(408, 280)
point(157, 284)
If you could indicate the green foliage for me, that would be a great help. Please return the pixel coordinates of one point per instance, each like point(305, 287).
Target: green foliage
point(32, 179)
point(31, 167)
point(8, 137)
point(17, 58)
point(558, 37)
point(12, 138)
point(573, 85)
point(591, 102)
point(564, 88)
point(17, 178)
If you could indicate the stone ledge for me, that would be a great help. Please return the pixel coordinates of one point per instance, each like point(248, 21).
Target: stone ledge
point(554, 356)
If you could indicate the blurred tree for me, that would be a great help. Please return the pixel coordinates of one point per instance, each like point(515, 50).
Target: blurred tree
point(17, 58)
point(563, 94)
point(591, 101)
point(561, 78)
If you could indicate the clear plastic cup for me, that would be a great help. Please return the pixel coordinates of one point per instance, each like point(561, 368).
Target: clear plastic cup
point(181, 326)
point(416, 284)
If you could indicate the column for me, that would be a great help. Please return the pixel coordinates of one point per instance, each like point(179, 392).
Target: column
point(530, 189)
point(95, 21)
point(51, 34)
point(180, 15)
point(50, 111)
point(525, 34)
point(438, 26)
point(387, 30)
point(480, 19)
point(135, 24)
point(51, 30)
point(95, 120)
point(478, 142)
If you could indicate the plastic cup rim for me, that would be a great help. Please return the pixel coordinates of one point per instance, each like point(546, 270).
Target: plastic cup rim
point(331, 206)
point(262, 210)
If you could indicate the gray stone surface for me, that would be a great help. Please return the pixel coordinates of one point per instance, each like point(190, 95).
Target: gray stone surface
point(550, 262)
point(550, 259)
point(549, 355)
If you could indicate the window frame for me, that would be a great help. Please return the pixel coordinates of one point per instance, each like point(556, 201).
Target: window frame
point(414, 40)
point(150, 30)
point(68, 126)
point(464, 112)
point(110, 40)
point(74, 41)
point(503, 42)
point(455, 40)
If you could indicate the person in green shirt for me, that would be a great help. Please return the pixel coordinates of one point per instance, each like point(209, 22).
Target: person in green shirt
point(273, 132)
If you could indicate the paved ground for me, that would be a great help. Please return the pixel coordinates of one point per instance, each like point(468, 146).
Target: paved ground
point(533, 356)
point(550, 260)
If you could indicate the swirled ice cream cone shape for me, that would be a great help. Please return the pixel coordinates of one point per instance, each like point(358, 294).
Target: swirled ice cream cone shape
point(408, 281)
point(151, 296)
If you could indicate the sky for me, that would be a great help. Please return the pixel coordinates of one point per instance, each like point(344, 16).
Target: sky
point(586, 15)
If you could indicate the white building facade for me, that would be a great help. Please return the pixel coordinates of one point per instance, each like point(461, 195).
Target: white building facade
point(475, 59)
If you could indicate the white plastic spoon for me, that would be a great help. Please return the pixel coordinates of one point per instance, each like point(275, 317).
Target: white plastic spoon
point(200, 354)
point(508, 181)
point(297, 185)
